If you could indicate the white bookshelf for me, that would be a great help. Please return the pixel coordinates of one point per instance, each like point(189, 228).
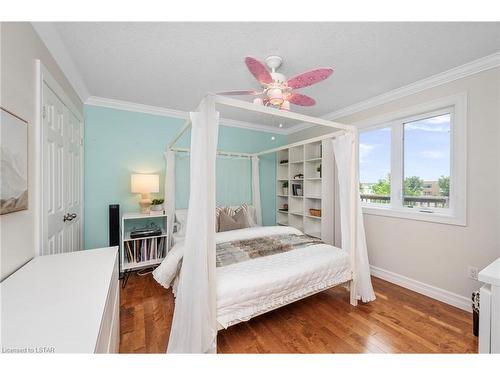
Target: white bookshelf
point(152, 248)
point(298, 166)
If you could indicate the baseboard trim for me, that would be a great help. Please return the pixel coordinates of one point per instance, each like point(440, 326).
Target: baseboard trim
point(439, 294)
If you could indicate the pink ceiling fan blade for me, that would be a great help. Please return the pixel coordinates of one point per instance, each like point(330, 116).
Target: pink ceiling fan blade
point(240, 92)
point(301, 99)
point(309, 78)
point(258, 70)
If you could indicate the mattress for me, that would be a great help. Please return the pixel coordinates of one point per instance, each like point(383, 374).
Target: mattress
point(255, 286)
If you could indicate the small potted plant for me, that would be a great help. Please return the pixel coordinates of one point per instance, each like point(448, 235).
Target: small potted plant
point(318, 169)
point(157, 204)
point(285, 187)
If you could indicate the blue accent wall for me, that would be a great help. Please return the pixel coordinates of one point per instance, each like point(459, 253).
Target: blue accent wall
point(119, 143)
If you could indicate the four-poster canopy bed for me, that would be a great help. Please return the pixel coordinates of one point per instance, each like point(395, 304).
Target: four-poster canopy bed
point(207, 298)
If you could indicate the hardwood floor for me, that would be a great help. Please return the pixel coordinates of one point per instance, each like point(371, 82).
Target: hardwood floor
point(399, 321)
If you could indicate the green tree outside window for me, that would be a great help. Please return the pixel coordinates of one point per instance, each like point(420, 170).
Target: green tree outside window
point(413, 186)
point(444, 185)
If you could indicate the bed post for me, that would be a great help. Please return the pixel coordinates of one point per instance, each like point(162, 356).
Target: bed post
point(208, 106)
point(353, 215)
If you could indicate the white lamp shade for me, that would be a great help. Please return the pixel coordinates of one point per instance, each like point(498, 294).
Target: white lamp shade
point(145, 183)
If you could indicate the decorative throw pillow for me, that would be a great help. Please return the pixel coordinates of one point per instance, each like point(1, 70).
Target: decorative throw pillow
point(238, 221)
point(227, 210)
point(218, 209)
point(249, 212)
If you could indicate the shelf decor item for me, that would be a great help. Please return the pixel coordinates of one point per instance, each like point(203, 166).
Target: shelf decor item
point(315, 212)
point(149, 230)
point(14, 163)
point(145, 184)
point(297, 190)
point(157, 205)
point(285, 188)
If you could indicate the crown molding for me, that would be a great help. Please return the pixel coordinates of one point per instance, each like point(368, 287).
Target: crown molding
point(167, 112)
point(135, 107)
point(462, 71)
point(50, 37)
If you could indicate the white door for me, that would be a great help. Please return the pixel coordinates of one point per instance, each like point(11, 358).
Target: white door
point(62, 176)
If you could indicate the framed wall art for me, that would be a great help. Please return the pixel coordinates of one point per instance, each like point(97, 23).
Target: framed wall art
point(13, 163)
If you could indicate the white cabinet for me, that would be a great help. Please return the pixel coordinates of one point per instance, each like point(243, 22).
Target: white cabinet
point(298, 188)
point(64, 303)
point(489, 313)
point(143, 252)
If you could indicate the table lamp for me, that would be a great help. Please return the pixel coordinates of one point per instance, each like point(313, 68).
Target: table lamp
point(145, 184)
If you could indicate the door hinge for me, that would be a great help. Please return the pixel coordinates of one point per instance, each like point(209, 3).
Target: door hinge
point(44, 112)
point(81, 141)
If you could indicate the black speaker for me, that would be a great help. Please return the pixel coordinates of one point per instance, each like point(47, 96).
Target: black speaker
point(114, 225)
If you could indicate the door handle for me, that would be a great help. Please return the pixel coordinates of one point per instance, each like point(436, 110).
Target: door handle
point(69, 217)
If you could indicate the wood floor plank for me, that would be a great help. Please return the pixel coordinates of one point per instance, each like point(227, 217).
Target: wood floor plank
point(398, 321)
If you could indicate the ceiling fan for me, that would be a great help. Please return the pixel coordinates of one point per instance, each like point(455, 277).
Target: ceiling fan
point(277, 91)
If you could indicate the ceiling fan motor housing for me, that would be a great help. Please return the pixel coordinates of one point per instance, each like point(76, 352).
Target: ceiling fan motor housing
point(278, 77)
point(273, 62)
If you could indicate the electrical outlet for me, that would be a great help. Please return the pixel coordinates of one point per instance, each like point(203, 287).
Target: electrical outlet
point(472, 272)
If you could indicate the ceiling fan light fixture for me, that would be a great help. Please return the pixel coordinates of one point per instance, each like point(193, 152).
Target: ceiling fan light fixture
point(285, 105)
point(258, 101)
point(275, 96)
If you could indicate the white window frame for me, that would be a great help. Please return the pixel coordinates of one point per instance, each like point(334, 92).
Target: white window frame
point(456, 214)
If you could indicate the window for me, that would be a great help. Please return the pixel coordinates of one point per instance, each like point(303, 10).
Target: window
point(426, 155)
point(413, 165)
point(375, 166)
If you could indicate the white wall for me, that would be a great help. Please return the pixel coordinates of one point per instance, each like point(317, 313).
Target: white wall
point(439, 254)
point(20, 48)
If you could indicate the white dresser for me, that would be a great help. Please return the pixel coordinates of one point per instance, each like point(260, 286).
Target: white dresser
point(489, 305)
point(65, 303)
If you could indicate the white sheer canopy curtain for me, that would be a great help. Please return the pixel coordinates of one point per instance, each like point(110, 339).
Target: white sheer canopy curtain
point(194, 325)
point(342, 148)
point(327, 192)
point(256, 190)
point(170, 192)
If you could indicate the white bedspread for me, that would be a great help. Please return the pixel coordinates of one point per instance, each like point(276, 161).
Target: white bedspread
point(250, 288)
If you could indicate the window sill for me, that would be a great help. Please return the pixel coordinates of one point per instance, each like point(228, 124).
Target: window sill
point(409, 214)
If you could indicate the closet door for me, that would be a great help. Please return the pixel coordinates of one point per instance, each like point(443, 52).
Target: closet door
point(72, 142)
point(61, 176)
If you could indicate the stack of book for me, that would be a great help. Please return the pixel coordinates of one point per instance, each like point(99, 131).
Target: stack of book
point(144, 250)
point(297, 190)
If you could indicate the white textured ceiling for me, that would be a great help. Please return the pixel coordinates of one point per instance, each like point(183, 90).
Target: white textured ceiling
point(173, 65)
